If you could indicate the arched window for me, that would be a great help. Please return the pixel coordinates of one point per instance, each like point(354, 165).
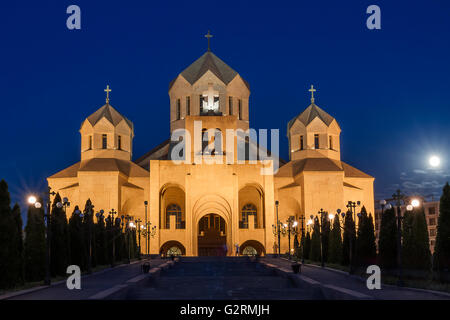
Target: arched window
point(174, 210)
point(248, 210)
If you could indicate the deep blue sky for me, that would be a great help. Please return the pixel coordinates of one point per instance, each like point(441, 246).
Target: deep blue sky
point(389, 89)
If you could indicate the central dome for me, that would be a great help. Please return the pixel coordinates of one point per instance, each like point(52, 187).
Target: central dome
point(208, 61)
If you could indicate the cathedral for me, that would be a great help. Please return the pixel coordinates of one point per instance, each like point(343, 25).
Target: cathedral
point(208, 190)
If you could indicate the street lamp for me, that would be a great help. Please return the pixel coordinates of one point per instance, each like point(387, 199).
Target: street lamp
point(139, 227)
point(276, 229)
point(147, 233)
point(288, 228)
point(131, 226)
point(113, 228)
point(302, 218)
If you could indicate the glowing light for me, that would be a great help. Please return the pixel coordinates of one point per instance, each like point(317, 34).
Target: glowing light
point(309, 222)
point(294, 224)
point(434, 161)
point(331, 216)
point(409, 207)
point(32, 199)
point(415, 203)
point(37, 205)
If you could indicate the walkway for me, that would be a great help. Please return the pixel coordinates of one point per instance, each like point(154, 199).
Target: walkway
point(343, 280)
point(91, 284)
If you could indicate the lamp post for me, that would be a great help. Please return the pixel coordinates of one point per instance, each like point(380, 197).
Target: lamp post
point(32, 200)
point(278, 231)
point(146, 235)
point(131, 226)
point(302, 219)
point(126, 226)
point(138, 226)
point(113, 228)
point(289, 227)
point(351, 205)
point(148, 232)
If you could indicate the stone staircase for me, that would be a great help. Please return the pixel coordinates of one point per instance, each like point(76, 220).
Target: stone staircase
point(219, 278)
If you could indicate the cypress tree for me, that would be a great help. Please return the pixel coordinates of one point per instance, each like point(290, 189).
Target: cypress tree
point(19, 264)
point(307, 245)
point(10, 275)
point(325, 236)
point(408, 240)
point(387, 243)
point(109, 235)
point(315, 254)
point(335, 242)
point(88, 231)
point(59, 246)
point(100, 240)
point(349, 235)
point(422, 257)
point(442, 247)
point(366, 247)
point(34, 246)
point(77, 250)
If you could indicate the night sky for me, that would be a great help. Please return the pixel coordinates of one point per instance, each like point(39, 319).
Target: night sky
point(389, 89)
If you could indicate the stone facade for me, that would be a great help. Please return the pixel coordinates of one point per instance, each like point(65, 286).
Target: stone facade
point(214, 195)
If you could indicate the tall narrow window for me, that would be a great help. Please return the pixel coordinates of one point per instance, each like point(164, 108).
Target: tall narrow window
point(240, 109)
point(331, 143)
point(90, 142)
point(119, 142)
point(178, 109)
point(230, 106)
point(188, 106)
point(316, 141)
point(174, 210)
point(301, 143)
point(104, 141)
point(248, 210)
point(202, 99)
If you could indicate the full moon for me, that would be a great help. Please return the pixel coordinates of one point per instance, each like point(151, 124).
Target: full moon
point(434, 161)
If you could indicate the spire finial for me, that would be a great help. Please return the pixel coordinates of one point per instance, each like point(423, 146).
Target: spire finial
point(312, 90)
point(107, 90)
point(209, 36)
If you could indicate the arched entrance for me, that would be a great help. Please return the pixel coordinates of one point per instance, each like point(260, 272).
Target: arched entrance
point(252, 248)
point(172, 248)
point(212, 236)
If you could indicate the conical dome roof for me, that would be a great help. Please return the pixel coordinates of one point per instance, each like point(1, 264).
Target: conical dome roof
point(208, 61)
point(111, 114)
point(310, 113)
